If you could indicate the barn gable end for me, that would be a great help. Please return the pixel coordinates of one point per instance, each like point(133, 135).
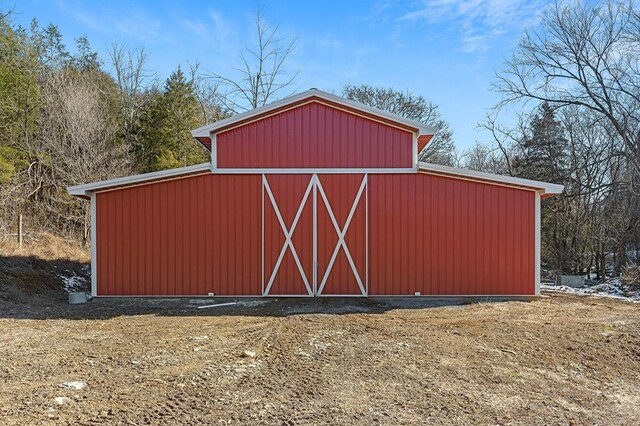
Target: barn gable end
point(315, 135)
point(315, 130)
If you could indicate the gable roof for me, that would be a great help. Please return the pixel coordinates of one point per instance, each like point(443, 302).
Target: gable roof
point(456, 172)
point(311, 95)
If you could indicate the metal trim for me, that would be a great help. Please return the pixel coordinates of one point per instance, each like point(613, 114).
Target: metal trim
point(206, 130)
point(94, 247)
point(537, 244)
point(85, 189)
point(482, 177)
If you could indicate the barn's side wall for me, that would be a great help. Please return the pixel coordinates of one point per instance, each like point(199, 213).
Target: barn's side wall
point(315, 135)
point(446, 236)
point(189, 236)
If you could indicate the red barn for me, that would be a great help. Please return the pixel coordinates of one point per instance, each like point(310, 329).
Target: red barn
point(315, 195)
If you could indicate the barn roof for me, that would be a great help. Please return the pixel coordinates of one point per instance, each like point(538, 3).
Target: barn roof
point(85, 190)
point(310, 96)
point(456, 172)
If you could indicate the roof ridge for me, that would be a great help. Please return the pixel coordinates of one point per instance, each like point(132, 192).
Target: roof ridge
point(206, 130)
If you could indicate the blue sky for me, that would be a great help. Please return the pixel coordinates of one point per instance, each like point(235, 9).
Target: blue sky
point(445, 50)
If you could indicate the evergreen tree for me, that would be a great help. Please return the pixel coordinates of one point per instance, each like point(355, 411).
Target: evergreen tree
point(166, 127)
point(542, 155)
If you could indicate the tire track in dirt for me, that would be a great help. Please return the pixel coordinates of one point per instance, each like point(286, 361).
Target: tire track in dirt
point(555, 361)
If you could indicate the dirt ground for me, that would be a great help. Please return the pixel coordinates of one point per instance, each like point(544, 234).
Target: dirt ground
point(563, 359)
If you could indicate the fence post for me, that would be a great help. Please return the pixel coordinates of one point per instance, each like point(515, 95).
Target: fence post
point(20, 231)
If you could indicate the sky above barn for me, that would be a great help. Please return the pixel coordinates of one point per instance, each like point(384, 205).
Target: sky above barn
point(445, 50)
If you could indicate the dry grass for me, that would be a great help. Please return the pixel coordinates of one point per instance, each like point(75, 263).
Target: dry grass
point(45, 247)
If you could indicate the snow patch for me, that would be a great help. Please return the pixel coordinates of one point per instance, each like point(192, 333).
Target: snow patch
point(72, 385)
point(73, 282)
point(613, 288)
point(61, 400)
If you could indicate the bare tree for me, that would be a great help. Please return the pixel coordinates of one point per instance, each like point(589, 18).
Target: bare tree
point(484, 158)
point(78, 131)
point(208, 95)
point(505, 138)
point(583, 54)
point(133, 81)
point(262, 73)
point(77, 137)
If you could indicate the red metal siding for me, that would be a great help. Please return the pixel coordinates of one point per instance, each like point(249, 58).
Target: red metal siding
point(314, 135)
point(188, 236)
point(423, 141)
point(445, 236)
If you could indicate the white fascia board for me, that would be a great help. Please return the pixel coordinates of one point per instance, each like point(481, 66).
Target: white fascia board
point(205, 131)
point(87, 188)
point(546, 188)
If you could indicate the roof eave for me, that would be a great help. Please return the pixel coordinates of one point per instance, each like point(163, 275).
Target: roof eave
point(87, 189)
point(542, 187)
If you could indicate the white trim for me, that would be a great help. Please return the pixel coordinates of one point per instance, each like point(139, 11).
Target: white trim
point(415, 151)
point(548, 188)
point(206, 130)
point(94, 248)
point(292, 171)
point(343, 295)
point(262, 194)
point(275, 296)
point(341, 233)
point(180, 296)
point(288, 234)
point(214, 151)
point(537, 243)
point(366, 233)
point(87, 188)
point(452, 296)
point(315, 233)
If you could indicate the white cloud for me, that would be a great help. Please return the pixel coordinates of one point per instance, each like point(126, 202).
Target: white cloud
point(480, 23)
point(213, 29)
point(329, 41)
point(140, 26)
point(222, 29)
point(198, 28)
point(137, 23)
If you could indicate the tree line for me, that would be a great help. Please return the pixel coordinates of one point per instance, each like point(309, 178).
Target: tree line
point(69, 116)
point(575, 79)
point(65, 120)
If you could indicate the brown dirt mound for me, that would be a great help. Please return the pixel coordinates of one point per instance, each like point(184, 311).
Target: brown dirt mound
point(35, 270)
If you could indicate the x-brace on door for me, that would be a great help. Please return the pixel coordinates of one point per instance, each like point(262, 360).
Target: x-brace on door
point(315, 236)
